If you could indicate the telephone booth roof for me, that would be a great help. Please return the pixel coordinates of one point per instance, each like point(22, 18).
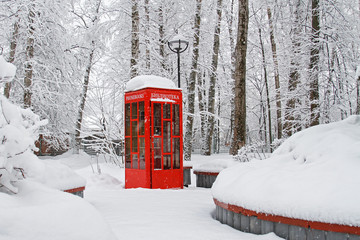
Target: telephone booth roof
point(150, 81)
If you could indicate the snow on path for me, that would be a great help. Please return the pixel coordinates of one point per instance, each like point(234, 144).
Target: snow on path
point(163, 214)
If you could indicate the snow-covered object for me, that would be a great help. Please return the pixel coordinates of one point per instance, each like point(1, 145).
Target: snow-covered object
point(41, 213)
point(7, 70)
point(18, 132)
point(214, 166)
point(313, 175)
point(149, 81)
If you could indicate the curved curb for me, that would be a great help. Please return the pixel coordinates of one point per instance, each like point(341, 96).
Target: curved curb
point(205, 179)
point(289, 228)
point(76, 191)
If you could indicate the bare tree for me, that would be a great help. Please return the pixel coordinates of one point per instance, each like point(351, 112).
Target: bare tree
point(89, 66)
point(29, 57)
point(266, 86)
point(191, 84)
point(239, 135)
point(276, 75)
point(314, 64)
point(213, 77)
point(135, 25)
point(358, 86)
point(147, 37)
point(293, 118)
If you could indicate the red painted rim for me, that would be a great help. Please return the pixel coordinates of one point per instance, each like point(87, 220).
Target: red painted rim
point(291, 221)
point(79, 189)
point(206, 173)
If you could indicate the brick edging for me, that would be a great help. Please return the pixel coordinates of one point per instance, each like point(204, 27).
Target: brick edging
point(291, 221)
point(206, 173)
point(79, 189)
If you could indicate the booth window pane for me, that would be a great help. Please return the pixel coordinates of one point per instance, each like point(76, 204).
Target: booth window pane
point(134, 110)
point(157, 153)
point(127, 119)
point(167, 137)
point(142, 153)
point(135, 161)
point(176, 153)
point(167, 161)
point(127, 153)
point(157, 119)
point(141, 119)
point(176, 120)
point(134, 127)
point(166, 111)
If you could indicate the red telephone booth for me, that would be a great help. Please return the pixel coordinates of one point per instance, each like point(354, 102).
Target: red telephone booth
point(153, 133)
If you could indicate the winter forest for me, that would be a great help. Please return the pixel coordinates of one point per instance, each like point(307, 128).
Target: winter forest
point(255, 72)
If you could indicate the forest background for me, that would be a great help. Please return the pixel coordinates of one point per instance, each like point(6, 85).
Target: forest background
point(255, 72)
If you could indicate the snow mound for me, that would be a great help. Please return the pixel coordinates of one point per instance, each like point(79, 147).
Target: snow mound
point(214, 166)
point(149, 81)
point(41, 213)
point(312, 176)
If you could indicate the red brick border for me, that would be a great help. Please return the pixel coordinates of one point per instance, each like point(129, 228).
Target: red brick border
point(79, 189)
point(291, 221)
point(206, 173)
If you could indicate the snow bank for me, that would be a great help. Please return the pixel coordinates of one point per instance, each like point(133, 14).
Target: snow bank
point(149, 81)
point(214, 165)
point(313, 175)
point(41, 213)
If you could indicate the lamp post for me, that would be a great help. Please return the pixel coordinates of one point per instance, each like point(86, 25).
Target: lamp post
point(178, 45)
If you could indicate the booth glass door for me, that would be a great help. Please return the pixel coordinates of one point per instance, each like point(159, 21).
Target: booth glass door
point(165, 138)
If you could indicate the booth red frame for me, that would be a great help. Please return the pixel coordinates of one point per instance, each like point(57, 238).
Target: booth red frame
point(150, 177)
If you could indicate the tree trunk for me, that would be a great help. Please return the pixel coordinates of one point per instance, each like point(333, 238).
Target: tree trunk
point(232, 49)
point(147, 36)
point(266, 88)
point(276, 75)
point(191, 85)
point(314, 65)
point(358, 86)
point(29, 58)
point(203, 119)
point(162, 37)
point(292, 118)
point(85, 86)
point(239, 135)
point(83, 100)
point(13, 44)
point(213, 76)
point(135, 24)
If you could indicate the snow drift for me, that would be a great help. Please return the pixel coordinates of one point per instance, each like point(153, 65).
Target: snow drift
point(313, 175)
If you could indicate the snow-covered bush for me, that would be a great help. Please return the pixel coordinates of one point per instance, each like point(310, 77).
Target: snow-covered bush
point(18, 132)
point(250, 151)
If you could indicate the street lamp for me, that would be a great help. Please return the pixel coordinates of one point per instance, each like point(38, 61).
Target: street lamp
point(178, 45)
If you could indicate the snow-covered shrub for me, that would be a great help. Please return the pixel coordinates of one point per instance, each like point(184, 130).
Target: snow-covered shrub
point(18, 132)
point(250, 151)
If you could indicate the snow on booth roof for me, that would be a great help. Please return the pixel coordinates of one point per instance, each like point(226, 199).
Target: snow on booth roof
point(149, 81)
point(313, 175)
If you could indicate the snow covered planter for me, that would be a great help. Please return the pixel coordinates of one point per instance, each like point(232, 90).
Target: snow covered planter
point(206, 173)
point(306, 190)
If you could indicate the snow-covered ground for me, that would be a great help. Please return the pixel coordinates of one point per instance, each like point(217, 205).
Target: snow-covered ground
point(109, 211)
